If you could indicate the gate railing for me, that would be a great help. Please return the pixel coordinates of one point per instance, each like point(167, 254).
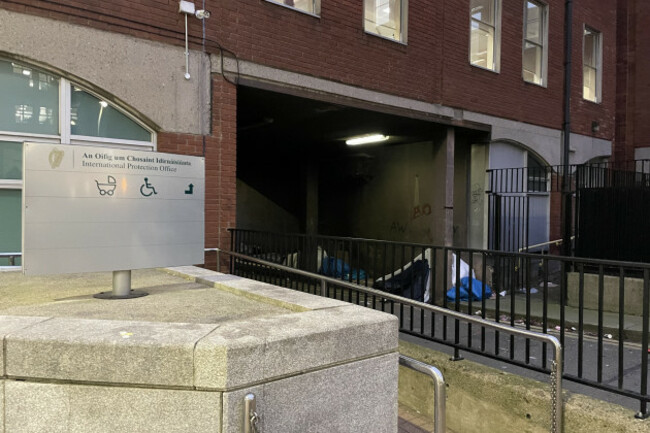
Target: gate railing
point(415, 318)
point(598, 309)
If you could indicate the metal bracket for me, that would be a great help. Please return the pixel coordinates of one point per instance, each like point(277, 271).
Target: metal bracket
point(251, 418)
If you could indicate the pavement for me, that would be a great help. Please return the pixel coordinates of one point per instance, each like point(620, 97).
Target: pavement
point(632, 329)
point(412, 422)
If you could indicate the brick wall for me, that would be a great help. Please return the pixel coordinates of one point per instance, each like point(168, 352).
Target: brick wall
point(432, 67)
point(600, 16)
point(633, 104)
point(640, 61)
point(220, 164)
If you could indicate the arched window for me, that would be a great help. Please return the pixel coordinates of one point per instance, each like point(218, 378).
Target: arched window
point(40, 106)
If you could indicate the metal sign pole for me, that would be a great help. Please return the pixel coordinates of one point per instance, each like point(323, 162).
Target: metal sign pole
point(121, 287)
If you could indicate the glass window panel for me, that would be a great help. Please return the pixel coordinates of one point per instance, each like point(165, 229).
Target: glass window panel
point(589, 56)
point(11, 160)
point(93, 117)
point(537, 175)
point(534, 24)
point(483, 10)
point(10, 223)
point(589, 83)
point(482, 46)
point(310, 6)
point(532, 63)
point(30, 100)
point(384, 17)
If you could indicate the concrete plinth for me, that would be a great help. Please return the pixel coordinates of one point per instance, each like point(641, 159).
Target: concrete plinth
point(183, 358)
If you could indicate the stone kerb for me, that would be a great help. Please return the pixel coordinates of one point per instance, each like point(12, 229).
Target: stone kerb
point(633, 300)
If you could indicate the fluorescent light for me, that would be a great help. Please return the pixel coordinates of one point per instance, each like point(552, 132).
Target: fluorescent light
point(365, 139)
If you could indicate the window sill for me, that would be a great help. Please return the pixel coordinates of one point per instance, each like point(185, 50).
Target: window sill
point(494, 71)
point(598, 102)
point(384, 37)
point(293, 8)
point(543, 85)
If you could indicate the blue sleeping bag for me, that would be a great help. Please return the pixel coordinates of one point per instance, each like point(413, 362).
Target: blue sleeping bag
point(464, 291)
point(337, 268)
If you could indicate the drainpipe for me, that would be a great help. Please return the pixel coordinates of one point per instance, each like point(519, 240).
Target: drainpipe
point(566, 130)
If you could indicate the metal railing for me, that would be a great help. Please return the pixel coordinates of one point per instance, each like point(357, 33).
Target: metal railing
point(11, 256)
point(598, 309)
point(331, 287)
point(439, 391)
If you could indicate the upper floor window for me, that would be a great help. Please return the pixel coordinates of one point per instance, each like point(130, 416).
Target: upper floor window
point(309, 6)
point(386, 18)
point(484, 33)
point(535, 41)
point(591, 64)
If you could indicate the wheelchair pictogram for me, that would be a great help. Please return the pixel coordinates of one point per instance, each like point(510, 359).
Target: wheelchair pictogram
point(150, 190)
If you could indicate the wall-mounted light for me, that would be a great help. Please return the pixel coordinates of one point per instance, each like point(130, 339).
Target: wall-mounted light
point(202, 14)
point(366, 139)
point(188, 8)
point(595, 126)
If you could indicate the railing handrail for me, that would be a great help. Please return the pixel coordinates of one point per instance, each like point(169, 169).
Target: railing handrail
point(544, 338)
point(439, 391)
point(555, 242)
point(567, 259)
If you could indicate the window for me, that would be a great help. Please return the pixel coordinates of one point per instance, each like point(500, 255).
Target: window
point(537, 174)
point(386, 18)
point(535, 56)
point(31, 109)
point(93, 117)
point(591, 65)
point(309, 6)
point(484, 34)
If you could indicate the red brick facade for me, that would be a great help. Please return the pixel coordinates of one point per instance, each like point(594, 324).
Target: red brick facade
point(433, 66)
point(633, 68)
point(219, 150)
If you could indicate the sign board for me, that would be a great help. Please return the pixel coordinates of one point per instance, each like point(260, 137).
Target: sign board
point(88, 209)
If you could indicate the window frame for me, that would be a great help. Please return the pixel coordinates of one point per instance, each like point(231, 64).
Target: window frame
point(64, 136)
point(544, 13)
point(403, 25)
point(598, 67)
point(496, 44)
point(316, 5)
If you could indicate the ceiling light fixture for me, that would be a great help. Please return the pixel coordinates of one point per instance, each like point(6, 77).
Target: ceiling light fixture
point(366, 139)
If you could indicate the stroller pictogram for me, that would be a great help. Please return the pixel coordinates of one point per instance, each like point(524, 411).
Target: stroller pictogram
point(107, 188)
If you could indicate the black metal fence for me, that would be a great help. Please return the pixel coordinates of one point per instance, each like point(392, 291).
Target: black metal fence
point(607, 205)
point(612, 214)
point(598, 309)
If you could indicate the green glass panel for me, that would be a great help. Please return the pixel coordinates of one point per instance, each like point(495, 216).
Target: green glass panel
point(11, 160)
point(30, 100)
point(10, 223)
point(92, 117)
